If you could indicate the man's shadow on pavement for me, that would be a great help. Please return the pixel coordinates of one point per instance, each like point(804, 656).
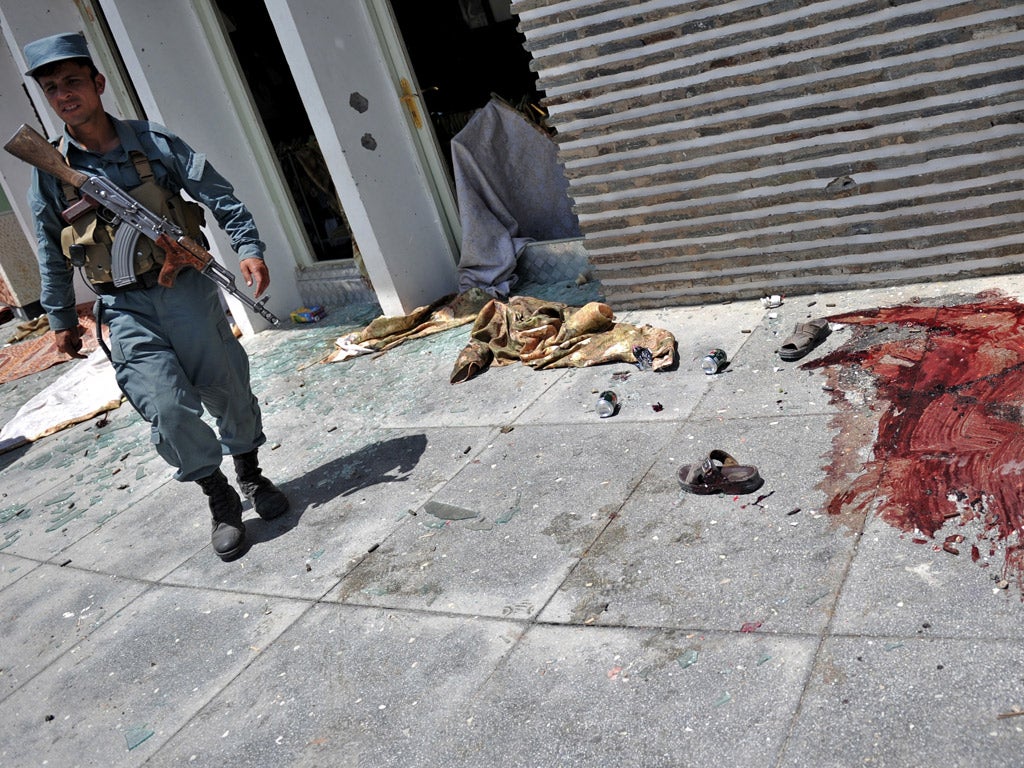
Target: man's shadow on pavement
point(389, 461)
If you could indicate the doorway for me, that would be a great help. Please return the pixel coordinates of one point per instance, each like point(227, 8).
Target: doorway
point(462, 52)
point(266, 72)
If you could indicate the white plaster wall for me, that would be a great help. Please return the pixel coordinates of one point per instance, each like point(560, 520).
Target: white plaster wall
point(23, 102)
point(18, 265)
point(334, 52)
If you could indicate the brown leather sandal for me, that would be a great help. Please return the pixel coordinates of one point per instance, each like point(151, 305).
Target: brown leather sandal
point(719, 473)
point(805, 337)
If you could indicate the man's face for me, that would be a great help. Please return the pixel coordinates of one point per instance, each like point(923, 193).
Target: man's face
point(72, 93)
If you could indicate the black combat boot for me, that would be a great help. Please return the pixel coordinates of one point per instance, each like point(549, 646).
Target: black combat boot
point(268, 501)
point(228, 536)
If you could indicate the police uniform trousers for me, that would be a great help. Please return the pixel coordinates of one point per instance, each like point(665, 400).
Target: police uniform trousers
point(174, 355)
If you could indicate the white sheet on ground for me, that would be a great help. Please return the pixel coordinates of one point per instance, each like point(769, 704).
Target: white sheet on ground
point(86, 390)
point(511, 190)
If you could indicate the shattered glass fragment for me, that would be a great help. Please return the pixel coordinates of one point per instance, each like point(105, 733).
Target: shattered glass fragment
point(509, 513)
point(687, 658)
point(644, 358)
point(136, 735)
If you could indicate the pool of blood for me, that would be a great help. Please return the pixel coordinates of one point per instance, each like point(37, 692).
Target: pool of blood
point(949, 448)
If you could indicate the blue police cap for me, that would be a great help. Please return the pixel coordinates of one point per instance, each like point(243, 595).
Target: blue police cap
point(69, 45)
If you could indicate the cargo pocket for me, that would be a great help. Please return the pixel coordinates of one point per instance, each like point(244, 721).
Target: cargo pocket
point(117, 353)
point(119, 360)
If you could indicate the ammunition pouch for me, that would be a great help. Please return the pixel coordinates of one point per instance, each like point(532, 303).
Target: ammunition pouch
point(96, 236)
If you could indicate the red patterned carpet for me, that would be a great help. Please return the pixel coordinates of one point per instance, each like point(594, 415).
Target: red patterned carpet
point(39, 352)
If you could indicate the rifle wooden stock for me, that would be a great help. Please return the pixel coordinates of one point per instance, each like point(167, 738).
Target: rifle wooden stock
point(26, 144)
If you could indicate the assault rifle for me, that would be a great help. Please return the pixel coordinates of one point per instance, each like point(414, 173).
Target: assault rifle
point(179, 249)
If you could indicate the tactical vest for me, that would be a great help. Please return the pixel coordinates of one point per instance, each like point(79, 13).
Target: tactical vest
point(97, 236)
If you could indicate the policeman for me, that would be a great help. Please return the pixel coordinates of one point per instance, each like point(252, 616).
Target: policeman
point(172, 349)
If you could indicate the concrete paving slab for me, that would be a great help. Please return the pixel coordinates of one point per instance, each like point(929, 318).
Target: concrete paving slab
point(566, 603)
point(46, 525)
point(289, 379)
point(498, 396)
point(117, 696)
point(643, 396)
point(758, 383)
point(348, 687)
point(616, 697)
point(82, 477)
point(341, 510)
point(899, 587)
point(495, 397)
point(45, 466)
point(895, 702)
point(699, 329)
point(150, 537)
point(12, 517)
point(535, 501)
point(285, 364)
point(13, 568)
point(768, 560)
point(296, 402)
point(647, 396)
point(48, 613)
point(835, 302)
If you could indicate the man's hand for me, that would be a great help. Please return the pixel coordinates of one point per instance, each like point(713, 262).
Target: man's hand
point(256, 269)
point(69, 341)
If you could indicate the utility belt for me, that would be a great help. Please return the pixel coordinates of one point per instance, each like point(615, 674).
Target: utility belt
point(90, 241)
point(143, 281)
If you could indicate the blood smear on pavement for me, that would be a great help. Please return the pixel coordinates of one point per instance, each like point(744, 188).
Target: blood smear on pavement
point(949, 447)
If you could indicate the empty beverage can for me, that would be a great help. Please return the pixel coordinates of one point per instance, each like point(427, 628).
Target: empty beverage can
point(607, 404)
point(713, 361)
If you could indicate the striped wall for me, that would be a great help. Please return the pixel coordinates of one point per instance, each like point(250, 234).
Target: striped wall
point(733, 149)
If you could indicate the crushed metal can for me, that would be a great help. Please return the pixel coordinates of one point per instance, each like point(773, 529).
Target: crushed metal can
point(714, 361)
point(607, 404)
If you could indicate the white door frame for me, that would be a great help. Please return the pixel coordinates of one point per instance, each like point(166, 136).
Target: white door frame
point(369, 144)
point(397, 58)
point(252, 125)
